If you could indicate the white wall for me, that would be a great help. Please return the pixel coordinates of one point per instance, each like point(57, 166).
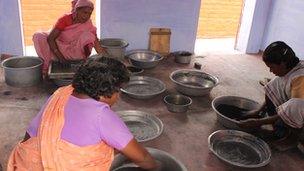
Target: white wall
point(254, 18)
point(286, 23)
point(11, 41)
point(132, 19)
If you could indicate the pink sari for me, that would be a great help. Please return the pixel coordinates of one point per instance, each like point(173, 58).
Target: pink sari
point(71, 43)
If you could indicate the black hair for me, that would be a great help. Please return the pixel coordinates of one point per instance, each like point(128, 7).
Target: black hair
point(278, 52)
point(100, 77)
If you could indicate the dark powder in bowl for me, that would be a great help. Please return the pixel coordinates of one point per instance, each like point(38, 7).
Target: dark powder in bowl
point(230, 111)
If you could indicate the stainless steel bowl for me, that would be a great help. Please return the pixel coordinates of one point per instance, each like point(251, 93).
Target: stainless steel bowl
point(144, 126)
point(144, 58)
point(143, 87)
point(239, 148)
point(192, 82)
point(168, 162)
point(177, 103)
point(236, 101)
point(135, 70)
point(182, 57)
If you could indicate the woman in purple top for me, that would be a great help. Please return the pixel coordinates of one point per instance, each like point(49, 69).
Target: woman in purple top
point(88, 118)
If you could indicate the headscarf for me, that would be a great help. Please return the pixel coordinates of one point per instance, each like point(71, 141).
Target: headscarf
point(83, 3)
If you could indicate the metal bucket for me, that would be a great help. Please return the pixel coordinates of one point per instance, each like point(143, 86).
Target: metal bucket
point(116, 48)
point(22, 71)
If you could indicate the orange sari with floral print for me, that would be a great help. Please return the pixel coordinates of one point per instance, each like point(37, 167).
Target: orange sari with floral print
point(48, 152)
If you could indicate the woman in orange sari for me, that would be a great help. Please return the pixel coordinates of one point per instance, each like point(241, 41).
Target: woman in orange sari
point(76, 129)
point(72, 37)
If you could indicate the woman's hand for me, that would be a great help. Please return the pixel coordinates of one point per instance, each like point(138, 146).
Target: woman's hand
point(51, 39)
point(250, 114)
point(139, 155)
point(249, 123)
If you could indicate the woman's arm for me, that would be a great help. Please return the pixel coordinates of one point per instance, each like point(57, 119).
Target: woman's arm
point(254, 113)
point(100, 50)
point(249, 123)
point(53, 45)
point(139, 155)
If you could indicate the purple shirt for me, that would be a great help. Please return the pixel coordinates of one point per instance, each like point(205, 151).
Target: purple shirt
point(88, 122)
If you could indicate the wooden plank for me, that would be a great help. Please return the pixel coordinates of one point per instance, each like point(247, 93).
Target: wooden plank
point(160, 40)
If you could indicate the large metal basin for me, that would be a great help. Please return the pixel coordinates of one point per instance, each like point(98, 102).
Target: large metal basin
point(143, 87)
point(168, 162)
point(236, 101)
point(239, 148)
point(144, 58)
point(22, 71)
point(192, 82)
point(144, 126)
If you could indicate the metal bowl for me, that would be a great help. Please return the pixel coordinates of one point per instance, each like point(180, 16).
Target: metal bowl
point(239, 148)
point(143, 87)
point(168, 162)
point(192, 82)
point(144, 58)
point(177, 103)
point(240, 102)
point(183, 57)
point(144, 126)
point(134, 70)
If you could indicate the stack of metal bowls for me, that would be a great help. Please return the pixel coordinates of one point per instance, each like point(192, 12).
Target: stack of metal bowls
point(144, 58)
point(193, 82)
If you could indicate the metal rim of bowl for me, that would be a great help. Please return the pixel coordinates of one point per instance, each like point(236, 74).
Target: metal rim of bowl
point(221, 97)
point(214, 78)
point(186, 97)
point(20, 57)
point(152, 151)
point(131, 52)
point(150, 95)
point(141, 70)
point(264, 163)
point(155, 118)
point(126, 44)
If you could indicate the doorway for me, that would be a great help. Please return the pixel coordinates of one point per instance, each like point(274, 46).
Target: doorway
point(218, 25)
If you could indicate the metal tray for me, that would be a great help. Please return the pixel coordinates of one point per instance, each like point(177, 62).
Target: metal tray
point(239, 148)
point(59, 71)
point(144, 126)
point(143, 87)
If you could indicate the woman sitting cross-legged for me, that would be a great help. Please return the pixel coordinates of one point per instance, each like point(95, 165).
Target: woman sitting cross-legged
point(72, 37)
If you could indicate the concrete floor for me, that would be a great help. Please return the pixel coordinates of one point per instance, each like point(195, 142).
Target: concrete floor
point(185, 135)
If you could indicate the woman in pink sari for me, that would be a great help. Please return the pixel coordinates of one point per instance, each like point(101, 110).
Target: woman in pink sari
point(72, 37)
